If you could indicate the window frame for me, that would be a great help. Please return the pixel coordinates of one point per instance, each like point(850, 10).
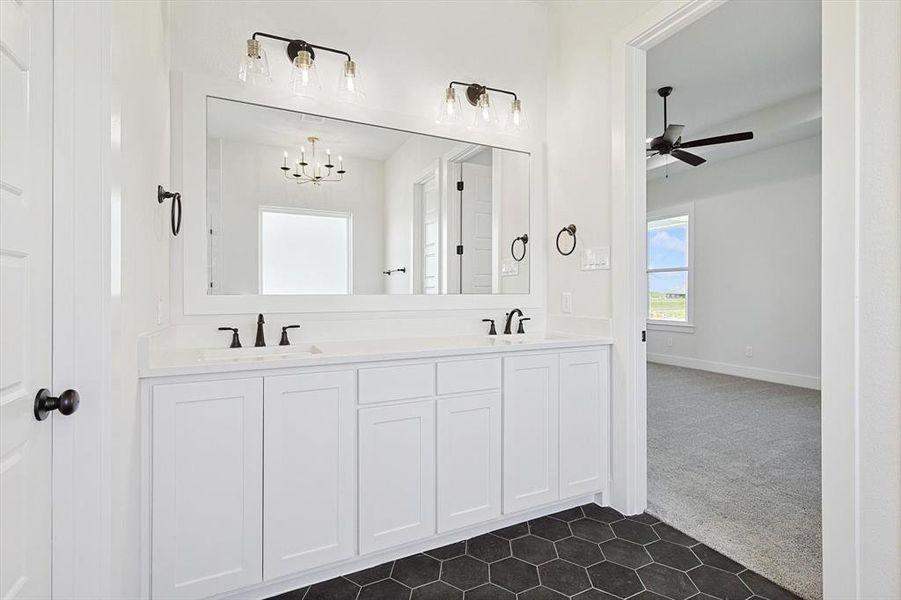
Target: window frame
point(348, 217)
point(686, 326)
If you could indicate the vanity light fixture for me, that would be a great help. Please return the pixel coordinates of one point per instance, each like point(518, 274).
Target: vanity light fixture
point(304, 77)
point(485, 115)
point(319, 173)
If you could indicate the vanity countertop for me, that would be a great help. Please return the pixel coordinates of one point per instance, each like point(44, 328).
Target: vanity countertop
point(167, 362)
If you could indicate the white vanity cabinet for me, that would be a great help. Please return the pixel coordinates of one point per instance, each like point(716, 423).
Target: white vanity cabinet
point(309, 465)
point(265, 474)
point(397, 474)
point(207, 497)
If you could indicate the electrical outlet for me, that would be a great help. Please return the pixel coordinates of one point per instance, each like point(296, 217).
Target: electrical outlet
point(669, 341)
point(749, 351)
point(566, 302)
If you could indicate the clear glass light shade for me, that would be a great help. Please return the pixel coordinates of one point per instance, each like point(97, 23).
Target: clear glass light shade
point(485, 116)
point(254, 69)
point(449, 111)
point(304, 78)
point(516, 121)
point(350, 84)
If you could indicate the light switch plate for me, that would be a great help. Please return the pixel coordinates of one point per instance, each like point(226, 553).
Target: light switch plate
point(509, 268)
point(595, 259)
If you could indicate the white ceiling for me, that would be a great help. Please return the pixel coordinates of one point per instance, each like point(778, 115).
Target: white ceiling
point(740, 58)
point(238, 121)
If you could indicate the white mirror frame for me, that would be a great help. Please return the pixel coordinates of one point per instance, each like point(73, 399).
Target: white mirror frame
point(189, 111)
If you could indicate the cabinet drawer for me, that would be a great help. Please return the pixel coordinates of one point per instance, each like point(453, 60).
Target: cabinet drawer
point(457, 376)
point(396, 382)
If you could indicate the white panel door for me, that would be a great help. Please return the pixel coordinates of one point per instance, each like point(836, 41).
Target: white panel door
point(397, 474)
point(430, 236)
point(584, 399)
point(469, 460)
point(309, 471)
point(531, 414)
point(26, 205)
point(477, 229)
point(207, 487)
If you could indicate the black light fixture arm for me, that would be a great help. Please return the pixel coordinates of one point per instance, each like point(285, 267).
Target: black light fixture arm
point(295, 45)
point(474, 90)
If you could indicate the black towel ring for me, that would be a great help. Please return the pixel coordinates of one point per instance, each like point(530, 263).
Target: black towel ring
point(175, 222)
point(524, 238)
point(571, 230)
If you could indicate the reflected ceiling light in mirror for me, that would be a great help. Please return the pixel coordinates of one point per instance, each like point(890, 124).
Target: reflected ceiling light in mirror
point(304, 79)
point(484, 116)
point(319, 173)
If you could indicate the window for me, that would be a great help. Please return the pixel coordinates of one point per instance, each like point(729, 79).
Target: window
point(304, 252)
point(669, 267)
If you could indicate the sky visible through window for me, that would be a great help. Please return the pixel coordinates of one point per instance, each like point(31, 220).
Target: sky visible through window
point(668, 249)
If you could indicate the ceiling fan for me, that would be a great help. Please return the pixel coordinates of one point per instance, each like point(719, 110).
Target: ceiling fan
point(670, 143)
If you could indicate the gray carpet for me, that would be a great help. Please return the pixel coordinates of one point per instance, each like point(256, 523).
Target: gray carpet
point(735, 463)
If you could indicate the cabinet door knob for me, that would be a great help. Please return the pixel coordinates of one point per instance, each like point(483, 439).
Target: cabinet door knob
point(67, 403)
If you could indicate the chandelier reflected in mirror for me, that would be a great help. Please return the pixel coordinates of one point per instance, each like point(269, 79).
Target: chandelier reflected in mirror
point(318, 173)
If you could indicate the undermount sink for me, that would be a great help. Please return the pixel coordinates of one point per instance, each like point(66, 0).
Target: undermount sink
point(263, 353)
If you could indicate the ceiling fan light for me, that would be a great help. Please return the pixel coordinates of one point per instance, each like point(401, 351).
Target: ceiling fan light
point(254, 67)
point(304, 77)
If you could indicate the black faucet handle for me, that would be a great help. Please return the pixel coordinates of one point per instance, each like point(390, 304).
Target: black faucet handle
point(491, 330)
point(521, 319)
point(236, 341)
point(284, 341)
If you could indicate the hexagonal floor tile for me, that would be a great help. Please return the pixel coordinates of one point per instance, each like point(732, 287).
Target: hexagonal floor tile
point(514, 575)
point(570, 514)
point(488, 547)
point(604, 514)
point(541, 593)
point(513, 531)
point(711, 557)
point(292, 595)
point(338, 588)
point(464, 572)
point(437, 590)
point(549, 529)
point(591, 530)
point(416, 570)
point(720, 584)
point(594, 594)
point(372, 574)
point(387, 589)
point(489, 591)
point(764, 587)
point(449, 551)
point(625, 553)
point(649, 595)
point(564, 577)
point(666, 581)
point(579, 551)
point(645, 518)
point(672, 555)
point(671, 534)
point(634, 531)
point(615, 579)
point(533, 549)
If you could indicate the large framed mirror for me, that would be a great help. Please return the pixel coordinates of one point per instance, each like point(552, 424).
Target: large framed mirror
point(331, 212)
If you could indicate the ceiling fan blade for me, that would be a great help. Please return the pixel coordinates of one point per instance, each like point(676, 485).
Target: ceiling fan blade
point(673, 133)
point(719, 139)
point(692, 159)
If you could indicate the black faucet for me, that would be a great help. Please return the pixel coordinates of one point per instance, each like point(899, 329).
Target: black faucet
point(236, 341)
point(261, 338)
point(285, 341)
point(510, 316)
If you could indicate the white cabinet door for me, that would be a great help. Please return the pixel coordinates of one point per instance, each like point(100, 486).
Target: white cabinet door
point(207, 487)
point(530, 431)
point(584, 397)
point(397, 474)
point(469, 460)
point(310, 466)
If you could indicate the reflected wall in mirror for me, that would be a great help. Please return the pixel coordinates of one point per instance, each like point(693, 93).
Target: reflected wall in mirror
point(303, 204)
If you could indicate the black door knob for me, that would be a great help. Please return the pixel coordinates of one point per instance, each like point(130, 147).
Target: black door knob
point(44, 403)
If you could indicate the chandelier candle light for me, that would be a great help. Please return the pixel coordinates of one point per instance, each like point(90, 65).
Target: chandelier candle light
point(304, 77)
point(485, 115)
point(316, 176)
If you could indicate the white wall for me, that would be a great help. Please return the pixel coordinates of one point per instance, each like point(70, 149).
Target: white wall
point(246, 177)
point(756, 265)
point(139, 254)
point(579, 149)
point(512, 186)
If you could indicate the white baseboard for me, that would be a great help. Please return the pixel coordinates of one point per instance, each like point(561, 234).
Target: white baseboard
point(804, 381)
